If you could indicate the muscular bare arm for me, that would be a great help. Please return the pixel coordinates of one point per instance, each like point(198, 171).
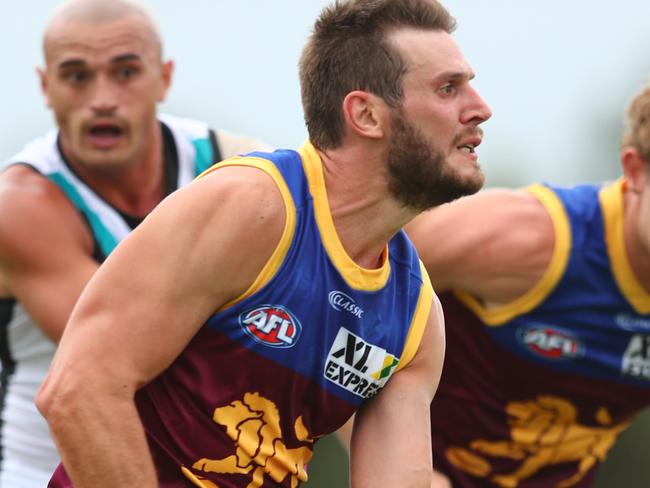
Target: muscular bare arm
point(391, 438)
point(199, 249)
point(496, 244)
point(45, 248)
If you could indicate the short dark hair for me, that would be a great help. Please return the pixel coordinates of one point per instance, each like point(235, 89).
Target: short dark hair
point(348, 50)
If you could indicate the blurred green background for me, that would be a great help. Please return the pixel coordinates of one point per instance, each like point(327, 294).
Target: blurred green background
point(329, 466)
point(628, 465)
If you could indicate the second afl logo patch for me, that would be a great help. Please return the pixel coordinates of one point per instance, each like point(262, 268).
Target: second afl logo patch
point(271, 325)
point(551, 342)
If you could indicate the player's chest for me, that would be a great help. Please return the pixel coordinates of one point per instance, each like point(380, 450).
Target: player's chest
point(600, 342)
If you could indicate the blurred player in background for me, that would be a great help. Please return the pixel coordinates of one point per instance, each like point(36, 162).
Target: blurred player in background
point(548, 323)
point(68, 198)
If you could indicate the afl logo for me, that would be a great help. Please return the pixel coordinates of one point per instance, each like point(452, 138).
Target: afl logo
point(271, 325)
point(550, 342)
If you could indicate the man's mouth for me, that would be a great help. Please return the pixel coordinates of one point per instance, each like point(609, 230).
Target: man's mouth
point(468, 141)
point(105, 130)
point(105, 134)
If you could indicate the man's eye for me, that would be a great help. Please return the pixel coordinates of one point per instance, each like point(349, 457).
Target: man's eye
point(126, 73)
point(76, 77)
point(447, 89)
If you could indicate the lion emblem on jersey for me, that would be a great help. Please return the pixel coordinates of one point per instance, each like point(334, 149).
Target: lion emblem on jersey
point(543, 432)
point(253, 424)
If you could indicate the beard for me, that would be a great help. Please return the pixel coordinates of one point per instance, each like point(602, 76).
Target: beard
point(419, 176)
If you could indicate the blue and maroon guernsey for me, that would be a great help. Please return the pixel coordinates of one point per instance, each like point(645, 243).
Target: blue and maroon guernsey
point(293, 358)
point(535, 393)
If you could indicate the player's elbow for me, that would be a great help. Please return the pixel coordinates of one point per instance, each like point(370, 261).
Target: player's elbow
point(58, 400)
point(49, 402)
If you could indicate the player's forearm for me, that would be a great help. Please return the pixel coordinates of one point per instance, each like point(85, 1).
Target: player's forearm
point(388, 452)
point(404, 476)
point(101, 440)
point(440, 480)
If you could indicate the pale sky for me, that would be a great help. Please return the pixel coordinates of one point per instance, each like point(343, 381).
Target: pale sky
point(556, 73)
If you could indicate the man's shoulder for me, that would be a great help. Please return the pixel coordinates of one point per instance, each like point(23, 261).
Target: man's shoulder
point(232, 144)
point(37, 152)
point(27, 195)
point(24, 188)
point(32, 208)
point(579, 199)
point(582, 209)
point(188, 126)
point(228, 143)
point(22, 178)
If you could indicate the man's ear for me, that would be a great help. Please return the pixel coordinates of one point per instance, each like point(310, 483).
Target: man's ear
point(635, 169)
point(42, 78)
point(365, 114)
point(167, 71)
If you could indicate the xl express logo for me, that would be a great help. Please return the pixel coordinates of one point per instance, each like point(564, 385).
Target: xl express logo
point(636, 358)
point(358, 366)
point(550, 342)
point(271, 325)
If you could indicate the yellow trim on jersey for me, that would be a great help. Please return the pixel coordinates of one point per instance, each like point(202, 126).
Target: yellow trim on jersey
point(273, 264)
point(419, 322)
point(196, 481)
point(611, 201)
point(357, 277)
point(498, 315)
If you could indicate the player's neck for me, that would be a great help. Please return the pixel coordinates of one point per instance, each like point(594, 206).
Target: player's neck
point(638, 254)
point(364, 219)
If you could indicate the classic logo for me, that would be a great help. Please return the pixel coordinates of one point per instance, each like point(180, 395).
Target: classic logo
point(341, 302)
point(359, 367)
point(636, 359)
point(550, 342)
point(271, 325)
point(632, 323)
